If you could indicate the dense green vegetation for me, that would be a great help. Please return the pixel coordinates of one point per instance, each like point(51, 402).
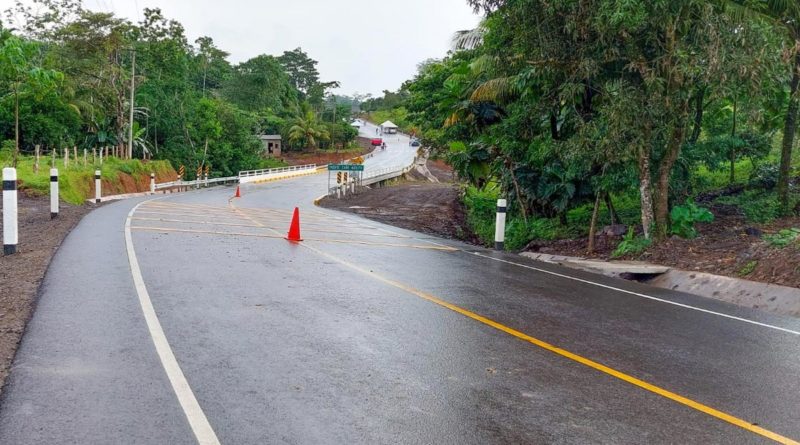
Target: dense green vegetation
point(76, 179)
point(67, 75)
point(590, 112)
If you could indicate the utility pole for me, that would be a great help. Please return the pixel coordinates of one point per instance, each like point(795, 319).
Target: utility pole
point(133, 89)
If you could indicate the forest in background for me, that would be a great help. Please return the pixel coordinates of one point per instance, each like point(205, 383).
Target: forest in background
point(589, 112)
point(67, 74)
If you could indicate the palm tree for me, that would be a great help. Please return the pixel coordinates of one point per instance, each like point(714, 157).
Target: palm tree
point(306, 129)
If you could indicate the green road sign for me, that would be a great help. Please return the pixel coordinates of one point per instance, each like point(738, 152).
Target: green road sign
point(345, 167)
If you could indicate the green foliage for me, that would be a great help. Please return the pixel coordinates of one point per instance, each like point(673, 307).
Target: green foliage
point(75, 181)
point(684, 217)
point(631, 245)
point(748, 268)
point(758, 206)
point(481, 205)
point(783, 238)
point(519, 234)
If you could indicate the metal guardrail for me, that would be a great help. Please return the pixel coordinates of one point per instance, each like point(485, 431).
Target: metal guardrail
point(272, 171)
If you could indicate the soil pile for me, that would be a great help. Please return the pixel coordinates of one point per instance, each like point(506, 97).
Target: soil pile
point(413, 203)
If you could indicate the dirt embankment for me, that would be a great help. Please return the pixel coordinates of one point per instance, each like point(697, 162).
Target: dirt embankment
point(322, 157)
point(413, 203)
point(131, 183)
point(21, 273)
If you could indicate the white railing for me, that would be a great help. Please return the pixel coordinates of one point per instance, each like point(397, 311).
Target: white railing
point(272, 171)
point(197, 182)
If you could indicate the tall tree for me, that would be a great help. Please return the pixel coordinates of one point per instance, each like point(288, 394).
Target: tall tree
point(21, 71)
point(302, 70)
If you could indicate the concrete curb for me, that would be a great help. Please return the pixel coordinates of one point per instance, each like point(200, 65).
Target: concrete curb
point(782, 300)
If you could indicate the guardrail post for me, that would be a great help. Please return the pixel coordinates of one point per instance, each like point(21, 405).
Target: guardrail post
point(152, 182)
point(500, 225)
point(97, 192)
point(10, 230)
point(53, 193)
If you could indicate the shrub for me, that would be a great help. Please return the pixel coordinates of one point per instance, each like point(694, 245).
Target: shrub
point(757, 206)
point(765, 176)
point(684, 217)
point(748, 268)
point(631, 245)
point(481, 205)
point(519, 234)
point(783, 238)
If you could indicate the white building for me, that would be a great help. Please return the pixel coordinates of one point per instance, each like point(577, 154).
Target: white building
point(389, 127)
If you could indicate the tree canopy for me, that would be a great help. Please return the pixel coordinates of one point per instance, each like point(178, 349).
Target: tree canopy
point(67, 72)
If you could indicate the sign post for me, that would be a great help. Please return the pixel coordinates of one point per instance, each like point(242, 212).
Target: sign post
point(342, 171)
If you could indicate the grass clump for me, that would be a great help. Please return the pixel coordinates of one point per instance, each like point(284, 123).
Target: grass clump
point(631, 245)
point(748, 268)
point(783, 238)
point(758, 206)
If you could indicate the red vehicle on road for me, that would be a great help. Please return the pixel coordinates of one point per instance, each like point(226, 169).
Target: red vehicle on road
point(376, 142)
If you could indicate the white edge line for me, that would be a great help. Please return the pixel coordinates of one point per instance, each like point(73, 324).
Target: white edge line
point(191, 408)
point(605, 286)
point(649, 297)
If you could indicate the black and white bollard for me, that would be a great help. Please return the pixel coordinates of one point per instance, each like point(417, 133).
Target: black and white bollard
point(152, 182)
point(97, 191)
point(53, 193)
point(10, 230)
point(500, 225)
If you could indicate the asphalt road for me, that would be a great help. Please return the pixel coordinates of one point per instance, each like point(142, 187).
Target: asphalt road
point(364, 333)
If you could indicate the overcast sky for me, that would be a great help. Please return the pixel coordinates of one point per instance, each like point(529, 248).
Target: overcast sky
point(368, 45)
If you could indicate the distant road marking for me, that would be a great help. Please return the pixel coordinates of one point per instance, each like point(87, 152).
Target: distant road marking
point(262, 235)
point(306, 229)
point(567, 354)
point(191, 408)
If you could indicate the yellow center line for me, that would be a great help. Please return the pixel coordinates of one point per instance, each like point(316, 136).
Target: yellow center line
point(570, 355)
point(749, 426)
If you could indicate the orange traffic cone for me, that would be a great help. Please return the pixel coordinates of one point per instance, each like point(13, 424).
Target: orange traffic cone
point(294, 229)
point(237, 195)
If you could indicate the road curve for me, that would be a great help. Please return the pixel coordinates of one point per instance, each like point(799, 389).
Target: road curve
point(366, 333)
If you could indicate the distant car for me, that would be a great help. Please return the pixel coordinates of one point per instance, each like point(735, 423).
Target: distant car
point(414, 143)
point(376, 142)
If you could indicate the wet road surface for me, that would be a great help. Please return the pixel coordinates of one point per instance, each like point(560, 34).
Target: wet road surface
point(366, 333)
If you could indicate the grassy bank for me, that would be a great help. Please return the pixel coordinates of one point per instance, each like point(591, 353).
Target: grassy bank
point(76, 181)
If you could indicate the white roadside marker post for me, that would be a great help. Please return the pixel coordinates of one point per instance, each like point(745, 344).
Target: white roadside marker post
point(500, 225)
point(10, 230)
point(152, 182)
point(97, 192)
point(53, 193)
